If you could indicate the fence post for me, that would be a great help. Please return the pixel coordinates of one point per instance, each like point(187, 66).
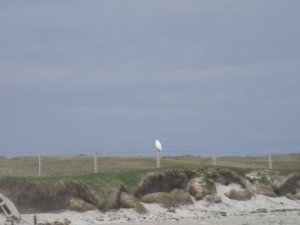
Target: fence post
point(214, 158)
point(158, 159)
point(270, 161)
point(95, 162)
point(40, 165)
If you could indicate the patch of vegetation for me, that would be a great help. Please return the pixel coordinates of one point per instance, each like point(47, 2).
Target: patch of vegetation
point(264, 180)
point(204, 169)
point(240, 171)
point(285, 172)
point(209, 183)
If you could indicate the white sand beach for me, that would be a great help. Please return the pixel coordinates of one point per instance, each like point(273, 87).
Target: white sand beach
point(258, 210)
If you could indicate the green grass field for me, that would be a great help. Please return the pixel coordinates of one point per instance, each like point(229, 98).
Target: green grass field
point(83, 165)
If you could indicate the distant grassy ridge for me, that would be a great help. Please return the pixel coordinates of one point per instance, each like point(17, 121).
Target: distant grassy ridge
point(81, 165)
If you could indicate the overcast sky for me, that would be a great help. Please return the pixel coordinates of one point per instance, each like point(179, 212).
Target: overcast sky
point(78, 76)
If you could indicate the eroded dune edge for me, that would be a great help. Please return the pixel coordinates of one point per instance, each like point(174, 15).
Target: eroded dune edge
point(205, 196)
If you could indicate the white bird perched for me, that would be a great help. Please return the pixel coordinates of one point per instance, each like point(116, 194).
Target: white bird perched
point(158, 145)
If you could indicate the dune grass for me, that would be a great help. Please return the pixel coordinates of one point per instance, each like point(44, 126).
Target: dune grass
point(103, 182)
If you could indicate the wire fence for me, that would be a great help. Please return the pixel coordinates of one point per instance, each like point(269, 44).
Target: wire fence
point(74, 165)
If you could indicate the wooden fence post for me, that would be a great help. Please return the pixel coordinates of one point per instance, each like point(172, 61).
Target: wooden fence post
point(95, 162)
point(214, 157)
point(158, 159)
point(40, 165)
point(270, 161)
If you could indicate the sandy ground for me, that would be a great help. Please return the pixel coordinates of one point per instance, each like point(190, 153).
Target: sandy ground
point(258, 210)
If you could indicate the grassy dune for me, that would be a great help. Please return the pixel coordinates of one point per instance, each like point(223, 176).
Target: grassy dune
point(73, 177)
